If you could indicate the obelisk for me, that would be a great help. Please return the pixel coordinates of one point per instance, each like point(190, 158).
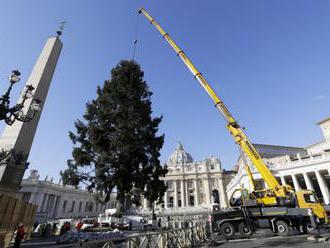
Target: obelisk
point(19, 136)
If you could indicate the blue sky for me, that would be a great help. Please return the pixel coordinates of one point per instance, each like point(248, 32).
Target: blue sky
point(268, 60)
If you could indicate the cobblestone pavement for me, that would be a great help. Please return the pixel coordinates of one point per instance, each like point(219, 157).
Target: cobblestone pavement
point(261, 239)
point(273, 241)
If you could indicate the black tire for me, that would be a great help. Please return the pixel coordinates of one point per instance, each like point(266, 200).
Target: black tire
point(308, 228)
point(283, 229)
point(245, 230)
point(227, 230)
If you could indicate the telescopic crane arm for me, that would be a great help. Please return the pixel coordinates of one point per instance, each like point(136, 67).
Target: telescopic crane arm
point(248, 172)
point(235, 130)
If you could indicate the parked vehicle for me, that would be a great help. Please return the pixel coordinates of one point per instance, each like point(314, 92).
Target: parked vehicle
point(108, 218)
point(88, 223)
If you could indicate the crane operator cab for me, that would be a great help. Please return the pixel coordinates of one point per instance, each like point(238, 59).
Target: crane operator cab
point(242, 197)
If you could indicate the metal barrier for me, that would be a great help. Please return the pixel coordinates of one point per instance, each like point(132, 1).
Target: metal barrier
point(175, 238)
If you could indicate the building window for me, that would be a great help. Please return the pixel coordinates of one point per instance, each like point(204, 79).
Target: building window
point(170, 202)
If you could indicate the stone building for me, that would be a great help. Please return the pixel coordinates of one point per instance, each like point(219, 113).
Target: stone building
point(194, 184)
point(55, 200)
point(302, 168)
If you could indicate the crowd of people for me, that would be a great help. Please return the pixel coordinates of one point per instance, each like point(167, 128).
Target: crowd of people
point(49, 229)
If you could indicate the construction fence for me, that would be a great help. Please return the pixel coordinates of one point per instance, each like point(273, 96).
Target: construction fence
point(192, 236)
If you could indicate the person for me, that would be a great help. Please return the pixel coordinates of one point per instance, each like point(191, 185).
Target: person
point(20, 232)
point(159, 223)
point(35, 225)
point(168, 221)
point(62, 230)
point(95, 223)
point(54, 228)
point(67, 227)
point(79, 225)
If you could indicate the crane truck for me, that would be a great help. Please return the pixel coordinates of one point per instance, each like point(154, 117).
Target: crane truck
point(278, 207)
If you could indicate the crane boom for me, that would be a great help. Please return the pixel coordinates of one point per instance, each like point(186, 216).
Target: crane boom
point(235, 130)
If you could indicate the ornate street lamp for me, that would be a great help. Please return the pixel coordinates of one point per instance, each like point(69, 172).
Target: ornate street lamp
point(11, 114)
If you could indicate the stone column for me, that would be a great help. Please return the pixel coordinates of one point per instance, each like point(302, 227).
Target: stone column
point(40, 201)
point(19, 136)
point(283, 180)
point(57, 205)
point(175, 198)
point(222, 191)
point(165, 199)
point(60, 208)
point(44, 203)
point(207, 191)
point(52, 206)
point(182, 194)
point(186, 192)
point(295, 182)
point(323, 187)
point(196, 192)
point(308, 182)
point(33, 198)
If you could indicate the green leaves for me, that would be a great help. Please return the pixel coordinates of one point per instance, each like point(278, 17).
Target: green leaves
point(116, 146)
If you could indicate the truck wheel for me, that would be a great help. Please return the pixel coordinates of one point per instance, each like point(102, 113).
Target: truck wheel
point(245, 230)
point(227, 230)
point(283, 229)
point(308, 228)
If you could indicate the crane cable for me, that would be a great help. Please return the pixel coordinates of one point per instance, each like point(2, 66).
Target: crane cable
point(135, 40)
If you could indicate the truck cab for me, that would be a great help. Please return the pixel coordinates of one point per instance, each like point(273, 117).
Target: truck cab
point(308, 199)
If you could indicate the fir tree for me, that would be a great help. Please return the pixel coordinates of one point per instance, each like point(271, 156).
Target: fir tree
point(116, 147)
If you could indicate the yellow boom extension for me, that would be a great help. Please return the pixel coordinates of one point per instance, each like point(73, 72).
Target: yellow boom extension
point(239, 136)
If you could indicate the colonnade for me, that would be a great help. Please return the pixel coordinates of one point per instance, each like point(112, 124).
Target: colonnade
point(314, 180)
point(52, 205)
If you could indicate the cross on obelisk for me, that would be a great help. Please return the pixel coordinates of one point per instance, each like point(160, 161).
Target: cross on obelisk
point(19, 136)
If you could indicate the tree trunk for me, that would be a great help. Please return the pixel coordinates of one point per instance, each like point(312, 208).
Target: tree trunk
point(120, 204)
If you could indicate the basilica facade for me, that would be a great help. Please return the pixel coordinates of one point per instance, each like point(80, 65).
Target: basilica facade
point(193, 184)
point(301, 168)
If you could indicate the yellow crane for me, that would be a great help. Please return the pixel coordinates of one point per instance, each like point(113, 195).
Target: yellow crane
point(235, 130)
point(276, 194)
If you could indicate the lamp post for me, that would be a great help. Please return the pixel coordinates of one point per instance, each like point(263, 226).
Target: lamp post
point(11, 114)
